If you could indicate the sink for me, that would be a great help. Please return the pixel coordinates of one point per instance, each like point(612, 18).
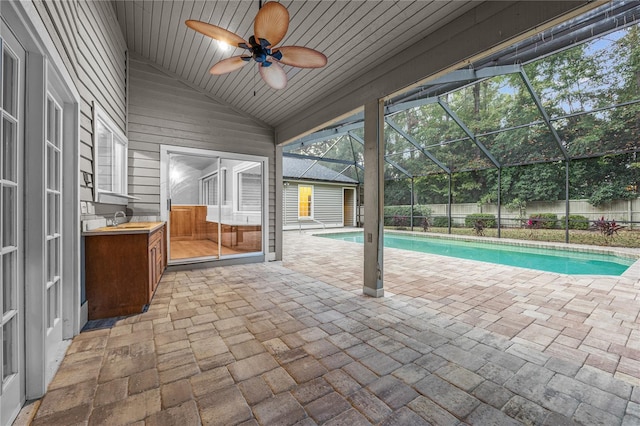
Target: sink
point(131, 226)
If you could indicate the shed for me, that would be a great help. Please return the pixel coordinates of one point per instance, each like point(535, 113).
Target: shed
point(315, 196)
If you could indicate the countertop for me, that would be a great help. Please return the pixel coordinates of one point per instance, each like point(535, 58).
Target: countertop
point(125, 228)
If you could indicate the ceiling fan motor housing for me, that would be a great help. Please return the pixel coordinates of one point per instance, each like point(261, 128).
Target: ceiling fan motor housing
point(260, 51)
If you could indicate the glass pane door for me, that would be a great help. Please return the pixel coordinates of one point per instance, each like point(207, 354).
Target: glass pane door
point(53, 228)
point(195, 187)
point(241, 211)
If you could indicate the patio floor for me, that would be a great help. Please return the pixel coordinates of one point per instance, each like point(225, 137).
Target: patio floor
point(295, 342)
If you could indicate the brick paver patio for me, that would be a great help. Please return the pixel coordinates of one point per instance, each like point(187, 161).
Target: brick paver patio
point(453, 342)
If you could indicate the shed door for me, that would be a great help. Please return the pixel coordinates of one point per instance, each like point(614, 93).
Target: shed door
point(349, 206)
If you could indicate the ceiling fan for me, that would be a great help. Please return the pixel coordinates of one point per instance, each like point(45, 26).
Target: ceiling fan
point(269, 28)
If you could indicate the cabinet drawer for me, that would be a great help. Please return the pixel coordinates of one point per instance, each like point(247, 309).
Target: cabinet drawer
point(153, 238)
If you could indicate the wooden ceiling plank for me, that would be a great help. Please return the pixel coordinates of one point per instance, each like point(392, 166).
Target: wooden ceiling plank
point(156, 29)
point(184, 38)
point(172, 30)
point(191, 39)
point(200, 43)
point(137, 18)
point(244, 28)
point(163, 41)
point(233, 19)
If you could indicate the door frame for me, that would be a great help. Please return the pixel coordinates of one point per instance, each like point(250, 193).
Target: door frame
point(165, 152)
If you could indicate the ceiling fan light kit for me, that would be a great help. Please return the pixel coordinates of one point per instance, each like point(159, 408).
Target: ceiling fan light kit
point(269, 28)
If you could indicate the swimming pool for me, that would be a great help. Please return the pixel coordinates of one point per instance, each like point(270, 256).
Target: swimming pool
point(542, 259)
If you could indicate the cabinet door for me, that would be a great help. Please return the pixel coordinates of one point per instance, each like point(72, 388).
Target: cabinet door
point(183, 223)
point(160, 256)
point(152, 270)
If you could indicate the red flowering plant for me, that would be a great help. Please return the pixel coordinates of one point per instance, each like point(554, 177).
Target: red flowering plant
point(608, 228)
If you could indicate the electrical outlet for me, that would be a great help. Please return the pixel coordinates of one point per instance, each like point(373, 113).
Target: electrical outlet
point(83, 207)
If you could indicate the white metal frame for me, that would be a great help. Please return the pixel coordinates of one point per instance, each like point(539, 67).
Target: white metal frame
point(167, 150)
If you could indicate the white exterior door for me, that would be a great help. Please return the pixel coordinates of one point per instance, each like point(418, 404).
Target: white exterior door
point(11, 214)
point(53, 226)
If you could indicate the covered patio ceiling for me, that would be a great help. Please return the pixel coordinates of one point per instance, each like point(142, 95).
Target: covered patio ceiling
point(521, 105)
point(375, 48)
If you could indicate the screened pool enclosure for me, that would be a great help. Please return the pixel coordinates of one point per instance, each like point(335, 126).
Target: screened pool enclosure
point(553, 118)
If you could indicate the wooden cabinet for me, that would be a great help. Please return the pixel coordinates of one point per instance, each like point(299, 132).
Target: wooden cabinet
point(122, 271)
point(189, 223)
point(183, 223)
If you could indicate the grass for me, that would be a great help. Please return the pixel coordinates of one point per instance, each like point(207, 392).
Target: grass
point(624, 237)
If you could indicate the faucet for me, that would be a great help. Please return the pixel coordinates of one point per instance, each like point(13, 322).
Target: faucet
point(115, 217)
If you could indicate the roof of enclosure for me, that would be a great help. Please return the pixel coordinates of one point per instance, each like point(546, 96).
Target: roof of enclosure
point(305, 168)
point(571, 92)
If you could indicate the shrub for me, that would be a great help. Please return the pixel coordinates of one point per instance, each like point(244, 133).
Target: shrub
point(401, 215)
point(440, 222)
point(489, 220)
point(400, 221)
point(544, 220)
point(576, 221)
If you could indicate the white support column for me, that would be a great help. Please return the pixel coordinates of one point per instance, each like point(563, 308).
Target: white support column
point(373, 198)
point(278, 206)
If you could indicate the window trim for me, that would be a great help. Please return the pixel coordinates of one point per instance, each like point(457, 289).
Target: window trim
point(103, 195)
point(313, 202)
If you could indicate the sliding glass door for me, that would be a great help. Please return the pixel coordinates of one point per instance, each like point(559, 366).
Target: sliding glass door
point(214, 205)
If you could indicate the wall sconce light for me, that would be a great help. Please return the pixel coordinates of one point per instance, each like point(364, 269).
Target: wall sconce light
point(88, 179)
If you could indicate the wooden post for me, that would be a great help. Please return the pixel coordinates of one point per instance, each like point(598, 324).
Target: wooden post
point(373, 198)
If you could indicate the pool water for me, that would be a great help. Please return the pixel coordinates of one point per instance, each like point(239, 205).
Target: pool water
point(550, 260)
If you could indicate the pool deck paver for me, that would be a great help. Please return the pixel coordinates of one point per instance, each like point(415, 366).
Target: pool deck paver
point(295, 342)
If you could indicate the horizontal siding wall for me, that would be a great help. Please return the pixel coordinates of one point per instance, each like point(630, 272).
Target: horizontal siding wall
point(165, 111)
point(327, 204)
point(89, 39)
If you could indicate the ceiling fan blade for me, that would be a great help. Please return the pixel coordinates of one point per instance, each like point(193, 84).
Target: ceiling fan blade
point(271, 23)
point(301, 57)
point(215, 32)
point(228, 65)
point(274, 76)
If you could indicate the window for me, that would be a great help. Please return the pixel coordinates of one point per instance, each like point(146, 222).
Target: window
point(305, 201)
point(210, 188)
point(110, 158)
point(248, 184)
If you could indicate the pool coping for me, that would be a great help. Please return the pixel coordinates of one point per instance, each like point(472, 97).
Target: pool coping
point(633, 272)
